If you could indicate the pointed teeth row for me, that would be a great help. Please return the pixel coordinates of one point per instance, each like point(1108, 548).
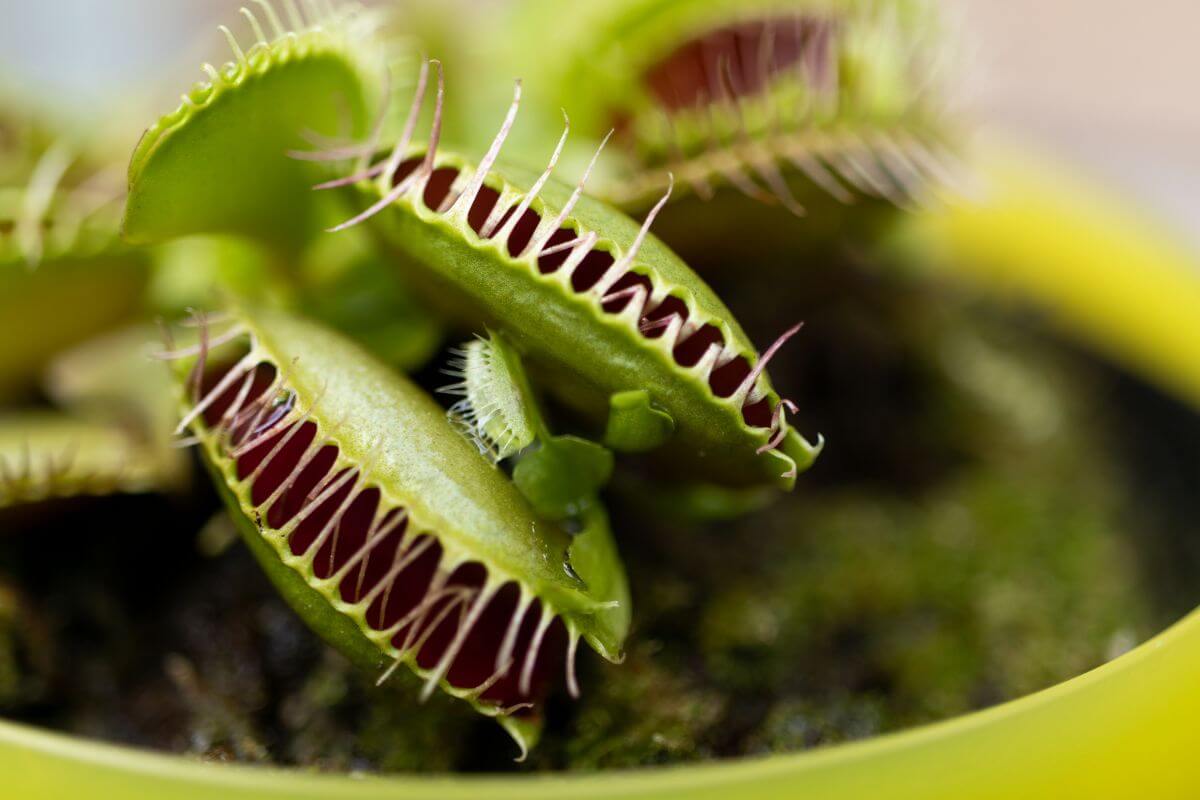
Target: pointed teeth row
point(898, 166)
point(342, 26)
point(474, 422)
point(307, 16)
point(453, 620)
point(780, 78)
point(554, 246)
point(747, 59)
point(29, 477)
point(489, 411)
point(795, 56)
point(23, 470)
point(616, 286)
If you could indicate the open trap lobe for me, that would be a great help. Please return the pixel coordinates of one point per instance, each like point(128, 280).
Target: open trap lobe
point(492, 640)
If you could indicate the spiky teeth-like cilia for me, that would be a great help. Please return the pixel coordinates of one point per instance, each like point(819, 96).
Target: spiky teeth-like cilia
point(782, 100)
point(47, 455)
point(561, 476)
point(64, 273)
point(382, 525)
point(47, 216)
point(493, 409)
point(594, 300)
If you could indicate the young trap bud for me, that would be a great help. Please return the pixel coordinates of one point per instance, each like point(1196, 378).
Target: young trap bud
point(385, 528)
point(495, 409)
point(601, 308)
point(561, 476)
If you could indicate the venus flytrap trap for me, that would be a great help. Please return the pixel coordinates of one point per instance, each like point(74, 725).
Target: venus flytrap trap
point(805, 105)
point(218, 162)
point(45, 455)
point(832, 94)
point(495, 409)
point(64, 274)
point(384, 527)
point(217, 172)
point(599, 306)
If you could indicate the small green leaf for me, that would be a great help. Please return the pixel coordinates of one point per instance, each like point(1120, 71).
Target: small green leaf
point(594, 558)
point(634, 424)
point(561, 477)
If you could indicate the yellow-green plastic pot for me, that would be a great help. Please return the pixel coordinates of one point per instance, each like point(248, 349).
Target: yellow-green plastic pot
point(1127, 729)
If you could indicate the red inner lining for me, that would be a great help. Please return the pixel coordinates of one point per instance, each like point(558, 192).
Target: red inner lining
point(377, 540)
point(740, 60)
point(725, 379)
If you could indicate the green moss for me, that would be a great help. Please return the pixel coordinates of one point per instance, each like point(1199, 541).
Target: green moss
point(850, 609)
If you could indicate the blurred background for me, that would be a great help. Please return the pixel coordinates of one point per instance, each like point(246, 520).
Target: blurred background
point(1106, 83)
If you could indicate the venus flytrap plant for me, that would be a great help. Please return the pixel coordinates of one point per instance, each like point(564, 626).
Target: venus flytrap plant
point(384, 527)
point(500, 245)
point(600, 307)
